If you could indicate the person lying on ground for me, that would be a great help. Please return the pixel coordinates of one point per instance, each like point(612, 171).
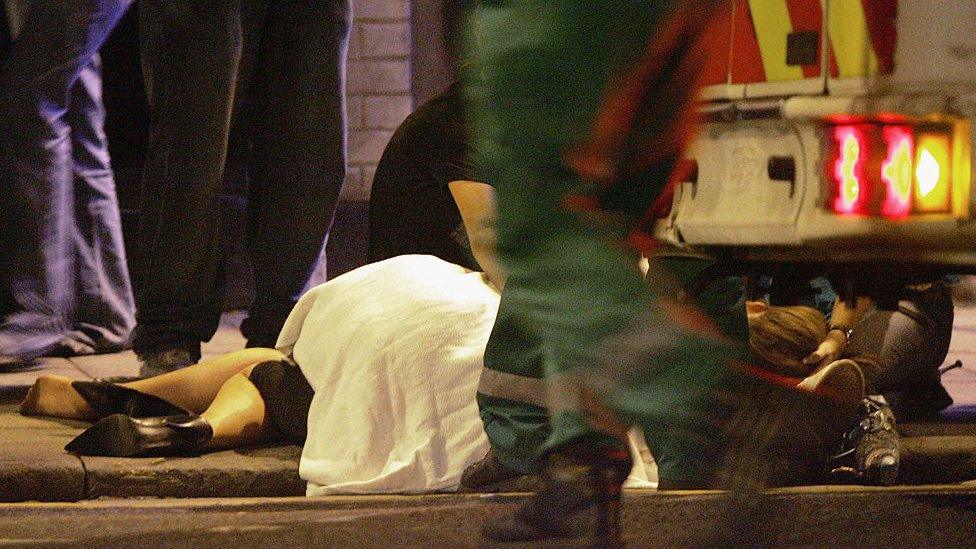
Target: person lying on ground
point(375, 374)
point(910, 343)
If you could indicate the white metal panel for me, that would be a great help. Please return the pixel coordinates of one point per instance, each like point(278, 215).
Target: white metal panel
point(735, 201)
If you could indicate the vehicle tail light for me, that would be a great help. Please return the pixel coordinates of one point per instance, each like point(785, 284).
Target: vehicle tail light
point(895, 168)
point(851, 195)
point(896, 171)
point(932, 173)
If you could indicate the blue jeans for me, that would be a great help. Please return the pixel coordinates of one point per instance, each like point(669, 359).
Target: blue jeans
point(62, 259)
point(277, 69)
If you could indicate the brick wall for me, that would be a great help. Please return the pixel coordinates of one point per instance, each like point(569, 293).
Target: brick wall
point(377, 100)
point(377, 86)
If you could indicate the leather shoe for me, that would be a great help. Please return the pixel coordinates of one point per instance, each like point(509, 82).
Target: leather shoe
point(119, 435)
point(108, 398)
point(167, 360)
point(579, 500)
point(491, 475)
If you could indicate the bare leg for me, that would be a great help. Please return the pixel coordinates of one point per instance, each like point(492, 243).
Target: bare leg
point(236, 413)
point(54, 396)
point(193, 387)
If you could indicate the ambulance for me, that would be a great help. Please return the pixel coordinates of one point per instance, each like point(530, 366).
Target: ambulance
point(839, 132)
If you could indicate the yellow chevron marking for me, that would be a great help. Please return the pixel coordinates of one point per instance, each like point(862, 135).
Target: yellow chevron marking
point(850, 39)
point(771, 19)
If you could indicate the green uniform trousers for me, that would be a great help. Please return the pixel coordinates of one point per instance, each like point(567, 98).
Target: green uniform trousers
point(574, 305)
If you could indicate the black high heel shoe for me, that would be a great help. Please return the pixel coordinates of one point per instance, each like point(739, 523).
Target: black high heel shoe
point(578, 503)
point(119, 435)
point(108, 398)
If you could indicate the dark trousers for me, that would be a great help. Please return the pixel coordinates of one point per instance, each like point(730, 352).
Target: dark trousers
point(62, 261)
point(277, 69)
point(911, 343)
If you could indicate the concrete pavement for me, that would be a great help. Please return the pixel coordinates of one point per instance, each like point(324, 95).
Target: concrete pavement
point(33, 465)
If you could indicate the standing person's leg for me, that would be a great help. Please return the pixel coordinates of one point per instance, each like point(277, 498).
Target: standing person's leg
point(104, 306)
point(191, 52)
point(553, 72)
point(542, 91)
point(536, 100)
point(298, 163)
point(511, 399)
point(511, 395)
point(57, 42)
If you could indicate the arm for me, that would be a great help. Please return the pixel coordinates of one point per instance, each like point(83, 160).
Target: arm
point(476, 202)
point(842, 319)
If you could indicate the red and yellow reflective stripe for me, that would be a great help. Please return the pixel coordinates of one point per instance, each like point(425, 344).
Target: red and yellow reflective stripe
point(807, 15)
point(771, 19)
point(746, 60)
point(863, 35)
point(850, 39)
point(862, 38)
point(761, 30)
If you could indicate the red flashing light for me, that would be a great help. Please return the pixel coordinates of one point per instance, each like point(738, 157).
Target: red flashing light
point(896, 171)
point(890, 167)
point(848, 170)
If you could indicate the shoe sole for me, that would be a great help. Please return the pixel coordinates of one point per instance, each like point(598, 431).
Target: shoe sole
point(841, 380)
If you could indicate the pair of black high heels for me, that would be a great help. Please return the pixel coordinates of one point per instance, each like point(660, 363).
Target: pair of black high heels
point(136, 424)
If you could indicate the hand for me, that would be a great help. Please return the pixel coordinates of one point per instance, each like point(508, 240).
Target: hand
point(828, 351)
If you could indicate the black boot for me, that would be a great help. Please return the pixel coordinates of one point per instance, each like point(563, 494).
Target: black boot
point(579, 500)
point(491, 475)
point(119, 435)
point(108, 398)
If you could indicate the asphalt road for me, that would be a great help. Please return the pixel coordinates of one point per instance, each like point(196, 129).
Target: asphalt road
point(809, 517)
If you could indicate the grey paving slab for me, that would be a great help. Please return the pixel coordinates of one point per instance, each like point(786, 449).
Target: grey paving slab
point(228, 338)
point(13, 421)
point(937, 459)
point(33, 463)
point(109, 365)
point(26, 375)
point(253, 472)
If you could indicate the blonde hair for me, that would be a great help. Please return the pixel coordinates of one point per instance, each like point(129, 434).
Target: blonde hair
point(783, 336)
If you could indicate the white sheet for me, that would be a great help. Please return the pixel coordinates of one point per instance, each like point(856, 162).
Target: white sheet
point(394, 353)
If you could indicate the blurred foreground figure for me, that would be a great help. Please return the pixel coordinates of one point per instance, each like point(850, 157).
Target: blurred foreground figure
point(277, 69)
point(581, 111)
point(62, 261)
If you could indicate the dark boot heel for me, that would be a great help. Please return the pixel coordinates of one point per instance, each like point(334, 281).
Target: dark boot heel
point(107, 399)
point(578, 504)
point(608, 488)
point(122, 436)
